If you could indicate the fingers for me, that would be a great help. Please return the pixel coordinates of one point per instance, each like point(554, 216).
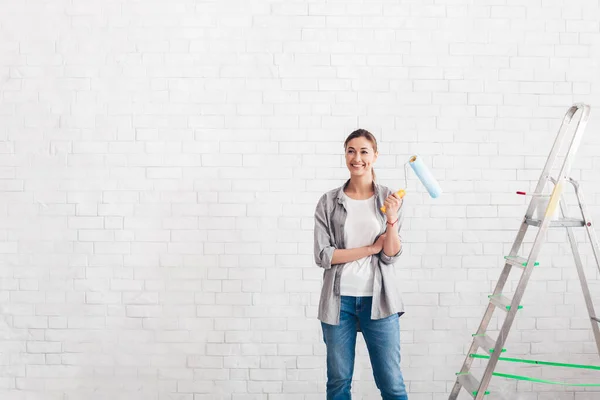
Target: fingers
point(400, 200)
point(397, 198)
point(393, 202)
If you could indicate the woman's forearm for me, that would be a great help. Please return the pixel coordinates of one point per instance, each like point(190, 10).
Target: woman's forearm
point(391, 243)
point(342, 256)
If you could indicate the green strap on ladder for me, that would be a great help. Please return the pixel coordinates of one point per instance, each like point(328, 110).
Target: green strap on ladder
point(525, 378)
point(554, 364)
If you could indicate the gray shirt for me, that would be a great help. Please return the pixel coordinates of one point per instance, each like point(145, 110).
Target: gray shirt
point(330, 215)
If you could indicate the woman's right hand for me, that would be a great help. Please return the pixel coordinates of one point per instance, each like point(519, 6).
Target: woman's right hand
point(378, 245)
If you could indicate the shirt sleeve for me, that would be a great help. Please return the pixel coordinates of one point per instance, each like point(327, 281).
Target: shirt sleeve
point(323, 242)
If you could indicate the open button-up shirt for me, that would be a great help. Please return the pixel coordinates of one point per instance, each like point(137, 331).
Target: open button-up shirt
point(329, 218)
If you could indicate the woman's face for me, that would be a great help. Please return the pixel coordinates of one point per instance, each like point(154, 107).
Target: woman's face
point(360, 156)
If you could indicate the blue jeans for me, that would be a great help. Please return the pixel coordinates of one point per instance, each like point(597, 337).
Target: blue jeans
point(383, 344)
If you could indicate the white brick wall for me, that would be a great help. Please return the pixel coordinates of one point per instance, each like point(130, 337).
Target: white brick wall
point(160, 163)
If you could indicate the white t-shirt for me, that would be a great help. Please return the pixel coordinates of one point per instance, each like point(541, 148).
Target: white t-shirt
point(361, 229)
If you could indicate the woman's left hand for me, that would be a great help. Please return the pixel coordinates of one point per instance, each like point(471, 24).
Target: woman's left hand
point(392, 204)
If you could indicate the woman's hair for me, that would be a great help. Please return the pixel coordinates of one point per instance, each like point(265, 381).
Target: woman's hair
point(367, 135)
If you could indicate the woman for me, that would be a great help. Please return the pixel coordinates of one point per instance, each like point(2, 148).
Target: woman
point(357, 244)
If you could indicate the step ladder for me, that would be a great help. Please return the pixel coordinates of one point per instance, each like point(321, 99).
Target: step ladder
point(576, 117)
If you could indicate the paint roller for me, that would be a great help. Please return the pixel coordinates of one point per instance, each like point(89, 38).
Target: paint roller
point(424, 175)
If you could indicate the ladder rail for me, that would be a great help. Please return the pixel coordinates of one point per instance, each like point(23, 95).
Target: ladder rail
point(481, 330)
point(510, 316)
point(589, 226)
point(595, 249)
point(490, 311)
point(567, 164)
point(556, 146)
point(584, 287)
point(577, 255)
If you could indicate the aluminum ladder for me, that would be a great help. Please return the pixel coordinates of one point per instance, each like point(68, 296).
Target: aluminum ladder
point(465, 379)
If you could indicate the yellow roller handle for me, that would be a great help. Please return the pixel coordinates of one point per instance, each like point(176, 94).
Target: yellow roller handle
point(400, 194)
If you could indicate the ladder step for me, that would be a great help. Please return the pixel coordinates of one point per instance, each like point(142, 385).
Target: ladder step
point(501, 302)
point(518, 261)
point(595, 319)
point(470, 384)
point(563, 222)
point(486, 343)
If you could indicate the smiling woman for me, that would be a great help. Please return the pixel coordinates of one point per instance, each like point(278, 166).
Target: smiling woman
point(357, 245)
